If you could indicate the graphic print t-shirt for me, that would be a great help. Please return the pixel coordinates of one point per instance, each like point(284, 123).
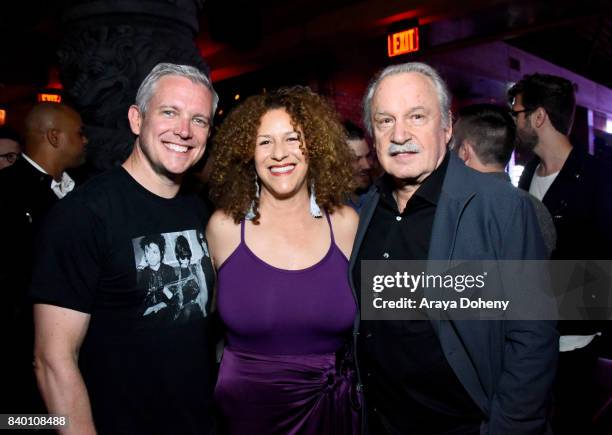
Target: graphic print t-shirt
point(139, 265)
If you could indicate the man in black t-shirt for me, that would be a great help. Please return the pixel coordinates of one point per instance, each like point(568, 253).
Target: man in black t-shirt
point(109, 352)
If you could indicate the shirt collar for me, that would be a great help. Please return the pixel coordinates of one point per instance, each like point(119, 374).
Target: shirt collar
point(60, 188)
point(33, 163)
point(503, 175)
point(429, 190)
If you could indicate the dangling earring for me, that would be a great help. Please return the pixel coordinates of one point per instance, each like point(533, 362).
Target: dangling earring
point(250, 215)
point(315, 211)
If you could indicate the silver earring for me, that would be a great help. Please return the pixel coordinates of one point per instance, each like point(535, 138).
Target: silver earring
point(315, 211)
point(250, 214)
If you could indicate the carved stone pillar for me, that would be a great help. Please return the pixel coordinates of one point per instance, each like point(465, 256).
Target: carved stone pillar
point(108, 47)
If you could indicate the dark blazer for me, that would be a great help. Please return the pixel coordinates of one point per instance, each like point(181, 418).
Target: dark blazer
point(26, 195)
point(507, 367)
point(580, 202)
point(25, 198)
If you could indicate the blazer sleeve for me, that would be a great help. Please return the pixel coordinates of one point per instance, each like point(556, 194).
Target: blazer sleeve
point(522, 396)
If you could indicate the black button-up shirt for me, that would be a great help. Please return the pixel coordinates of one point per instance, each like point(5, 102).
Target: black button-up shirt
point(409, 386)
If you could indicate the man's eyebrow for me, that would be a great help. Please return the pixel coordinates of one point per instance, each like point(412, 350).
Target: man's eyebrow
point(382, 113)
point(173, 107)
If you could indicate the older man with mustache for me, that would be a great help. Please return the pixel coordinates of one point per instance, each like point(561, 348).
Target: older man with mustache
point(443, 376)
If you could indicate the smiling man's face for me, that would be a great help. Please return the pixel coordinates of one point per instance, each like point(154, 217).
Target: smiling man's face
point(172, 134)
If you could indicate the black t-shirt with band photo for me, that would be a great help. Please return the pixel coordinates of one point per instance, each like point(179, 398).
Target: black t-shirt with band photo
point(139, 265)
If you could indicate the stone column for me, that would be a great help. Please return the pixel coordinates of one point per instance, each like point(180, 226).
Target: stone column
point(108, 47)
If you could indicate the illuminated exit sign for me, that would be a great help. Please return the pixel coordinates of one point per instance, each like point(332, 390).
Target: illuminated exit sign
point(403, 42)
point(50, 98)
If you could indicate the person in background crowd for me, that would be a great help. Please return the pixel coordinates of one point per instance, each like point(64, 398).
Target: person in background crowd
point(577, 190)
point(361, 163)
point(53, 142)
point(9, 147)
point(443, 376)
point(280, 240)
point(484, 137)
point(99, 359)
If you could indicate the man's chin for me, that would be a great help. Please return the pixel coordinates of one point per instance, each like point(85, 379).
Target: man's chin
point(167, 172)
point(528, 144)
point(363, 183)
point(173, 169)
point(525, 148)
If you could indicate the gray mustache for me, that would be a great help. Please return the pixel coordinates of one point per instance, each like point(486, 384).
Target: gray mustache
point(408, 147)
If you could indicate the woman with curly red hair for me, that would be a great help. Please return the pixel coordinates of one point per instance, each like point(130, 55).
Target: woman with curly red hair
point(281, 240)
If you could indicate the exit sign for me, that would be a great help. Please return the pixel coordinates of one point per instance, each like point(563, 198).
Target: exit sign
point(49, 98)
point(403, 42)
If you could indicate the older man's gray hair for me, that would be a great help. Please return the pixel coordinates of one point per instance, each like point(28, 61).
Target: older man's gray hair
point(148, 85)
point(444, 97)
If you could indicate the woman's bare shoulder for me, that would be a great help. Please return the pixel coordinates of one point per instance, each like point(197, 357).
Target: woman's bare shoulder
point(220, 221)
point(223, 236)
point(345, 216)
point(344, 223)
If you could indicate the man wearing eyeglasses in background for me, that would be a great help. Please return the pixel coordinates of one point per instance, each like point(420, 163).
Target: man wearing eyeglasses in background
point(9, 147)
point(53, 141)
point(575, 187)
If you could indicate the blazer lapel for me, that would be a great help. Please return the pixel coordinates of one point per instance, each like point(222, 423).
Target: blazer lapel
point(454, 199)
point(563, 187)
point(446, 223)
point(527, 175)
point(365, 216)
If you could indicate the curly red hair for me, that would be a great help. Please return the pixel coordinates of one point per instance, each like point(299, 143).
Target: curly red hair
point(232, 182)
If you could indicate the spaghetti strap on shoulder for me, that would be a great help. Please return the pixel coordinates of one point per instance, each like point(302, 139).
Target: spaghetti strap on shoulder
point(242, 225)
point(331, 229)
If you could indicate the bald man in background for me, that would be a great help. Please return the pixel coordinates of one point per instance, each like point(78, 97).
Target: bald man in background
point(53, 142)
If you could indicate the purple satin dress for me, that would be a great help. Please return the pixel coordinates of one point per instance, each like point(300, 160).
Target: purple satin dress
point(285, 368)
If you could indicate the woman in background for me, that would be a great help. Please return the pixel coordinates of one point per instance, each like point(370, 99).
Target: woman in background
point(281, 240)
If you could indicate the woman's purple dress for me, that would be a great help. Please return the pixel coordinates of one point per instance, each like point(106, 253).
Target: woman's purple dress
point(285, 368)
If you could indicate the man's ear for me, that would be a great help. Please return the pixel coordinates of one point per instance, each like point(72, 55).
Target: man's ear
point(539, 116)
point(448, 131)
point(52, 135)
point(465, 151)
point(135, 118)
